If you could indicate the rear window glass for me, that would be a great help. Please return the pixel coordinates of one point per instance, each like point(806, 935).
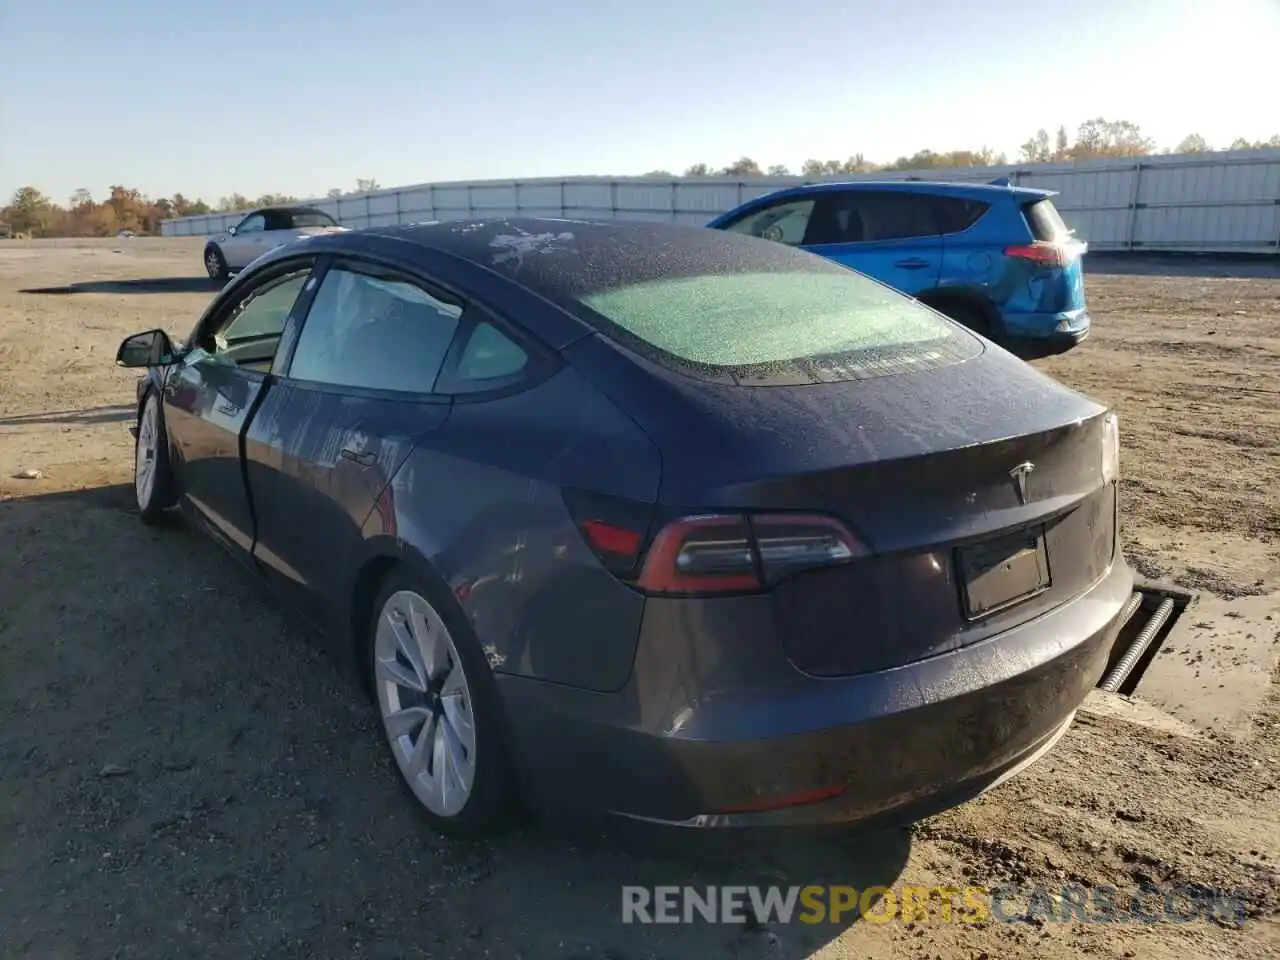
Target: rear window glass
point(779, 327)
point(1045, 222)
point(312, 218)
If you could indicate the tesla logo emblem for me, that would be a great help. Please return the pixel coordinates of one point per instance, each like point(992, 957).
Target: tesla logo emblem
point(1019, 474)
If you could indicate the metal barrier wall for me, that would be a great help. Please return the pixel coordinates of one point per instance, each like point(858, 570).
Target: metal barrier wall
point(1210, 202)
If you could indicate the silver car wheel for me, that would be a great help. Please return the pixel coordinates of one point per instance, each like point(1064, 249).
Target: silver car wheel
point(212, 264)
point(144, 462)
point(425, 702)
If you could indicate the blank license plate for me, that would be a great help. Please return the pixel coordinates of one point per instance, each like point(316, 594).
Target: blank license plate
point(999, 573)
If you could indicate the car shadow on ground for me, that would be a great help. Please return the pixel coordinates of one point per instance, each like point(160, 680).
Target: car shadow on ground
point(132, 287)
point(221, 781)
point(110, 414)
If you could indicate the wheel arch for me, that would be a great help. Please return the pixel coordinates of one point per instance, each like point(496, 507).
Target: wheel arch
point(386, 556)
point(149, 383)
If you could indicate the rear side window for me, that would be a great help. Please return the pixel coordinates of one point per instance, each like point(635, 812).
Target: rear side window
point(311, 218)
point(779, 327)
point(490, 355)
point(374, 333)
point(955, 215)
point(1045, 222)
point(894, 216)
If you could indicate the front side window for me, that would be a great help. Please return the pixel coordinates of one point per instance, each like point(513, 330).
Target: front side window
point(265, 311)
point(784, 222)
point(801, 326)
point(374, 333)
point(248, 334)
point(251, 224)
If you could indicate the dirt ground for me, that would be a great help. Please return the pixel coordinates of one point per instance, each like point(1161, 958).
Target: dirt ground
point(182, 774)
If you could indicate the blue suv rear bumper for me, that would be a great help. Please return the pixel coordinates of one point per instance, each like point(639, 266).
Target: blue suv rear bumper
point(1047, 330)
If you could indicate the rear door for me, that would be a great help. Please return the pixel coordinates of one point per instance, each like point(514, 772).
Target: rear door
point(354, 395)
point(890, 235)
point(212, 393)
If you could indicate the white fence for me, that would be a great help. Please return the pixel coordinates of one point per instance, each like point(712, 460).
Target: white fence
point(1211, 202)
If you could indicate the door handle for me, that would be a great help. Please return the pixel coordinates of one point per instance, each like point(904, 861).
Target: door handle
point(915, 263)
point(366, 459)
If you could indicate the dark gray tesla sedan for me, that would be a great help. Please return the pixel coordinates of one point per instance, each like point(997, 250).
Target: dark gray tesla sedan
point(660, 522)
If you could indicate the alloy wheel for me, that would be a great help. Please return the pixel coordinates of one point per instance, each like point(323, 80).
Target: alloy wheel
point(426, 703)
point(144, 467)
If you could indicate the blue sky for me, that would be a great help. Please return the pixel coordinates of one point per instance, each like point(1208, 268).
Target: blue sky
point(297, 96)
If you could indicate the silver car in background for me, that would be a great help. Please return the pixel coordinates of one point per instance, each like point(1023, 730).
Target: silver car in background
point(260, 231)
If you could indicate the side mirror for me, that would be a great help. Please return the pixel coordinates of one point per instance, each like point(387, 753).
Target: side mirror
point(231, 231)
point(150, 349)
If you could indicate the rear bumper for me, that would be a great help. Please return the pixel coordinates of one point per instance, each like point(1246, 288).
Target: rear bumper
point(1070, 326)
point(806, 751)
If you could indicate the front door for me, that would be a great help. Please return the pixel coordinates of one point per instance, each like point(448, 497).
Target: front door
point(889, 235)
point(247, 242)
point(349, 404)
point(212, 394)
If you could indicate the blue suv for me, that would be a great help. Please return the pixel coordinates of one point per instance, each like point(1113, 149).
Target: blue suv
point(998, 259)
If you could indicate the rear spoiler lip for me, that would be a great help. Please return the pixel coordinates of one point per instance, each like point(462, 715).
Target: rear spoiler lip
point(1029, 194)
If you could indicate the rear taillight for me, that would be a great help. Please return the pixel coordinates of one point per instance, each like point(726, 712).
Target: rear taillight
point(707, 554)
point(736, 553)
point(712, 553)
point(1042, 254)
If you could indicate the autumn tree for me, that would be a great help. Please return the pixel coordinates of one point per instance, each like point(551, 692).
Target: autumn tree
point(30, 211)
point(1062, 145)
point(1101, 137)
point(1240, 143)
point(1192, 143)
point(1036, 149)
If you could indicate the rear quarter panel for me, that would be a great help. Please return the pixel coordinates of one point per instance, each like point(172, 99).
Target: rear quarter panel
point(480, 501)
point(973, 260)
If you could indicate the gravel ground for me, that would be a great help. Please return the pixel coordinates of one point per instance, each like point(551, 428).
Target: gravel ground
point(186, 776)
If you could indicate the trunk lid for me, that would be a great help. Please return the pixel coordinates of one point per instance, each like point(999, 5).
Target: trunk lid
point(922, 467)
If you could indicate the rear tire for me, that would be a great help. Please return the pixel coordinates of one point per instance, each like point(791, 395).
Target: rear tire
point(215, 263)
point(439, 708)
point(152, 476)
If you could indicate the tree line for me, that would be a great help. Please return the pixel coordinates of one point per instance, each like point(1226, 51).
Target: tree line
point(32, 213)
point(1095, 138)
